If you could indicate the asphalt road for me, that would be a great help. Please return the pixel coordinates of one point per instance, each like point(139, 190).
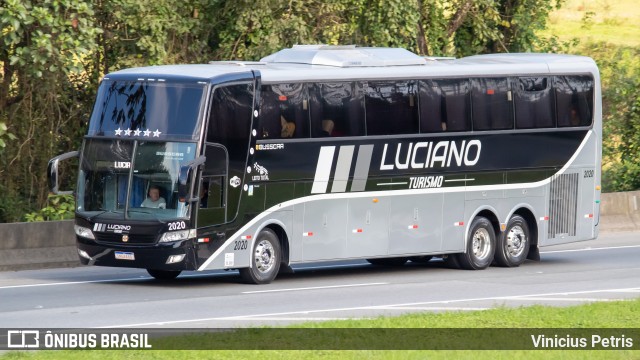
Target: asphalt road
point(600, 270)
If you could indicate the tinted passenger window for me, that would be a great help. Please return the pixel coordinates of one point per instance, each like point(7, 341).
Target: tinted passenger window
point(230, 118)
point(284, 112)
point(534, 103)
point(491, 103)
point(444, 105)
point(574, 100)
point(392, 108)
point(337, 109)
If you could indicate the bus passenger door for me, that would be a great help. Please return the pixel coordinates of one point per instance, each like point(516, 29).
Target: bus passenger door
point(228, 141)
point(213, 189)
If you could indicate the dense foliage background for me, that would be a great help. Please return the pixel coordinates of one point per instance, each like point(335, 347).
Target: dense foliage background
point(54, 52)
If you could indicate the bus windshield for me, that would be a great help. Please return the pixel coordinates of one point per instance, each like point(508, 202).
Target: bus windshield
point(147, 109)
point(140, 177)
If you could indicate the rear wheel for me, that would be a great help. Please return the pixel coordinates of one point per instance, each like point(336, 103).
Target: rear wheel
point(513, 244)
point(164, 274)
point(480, 245)
point(399, 261)
point(265, 259)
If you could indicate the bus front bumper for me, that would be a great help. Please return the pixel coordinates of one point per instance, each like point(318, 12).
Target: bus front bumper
point(178, 255)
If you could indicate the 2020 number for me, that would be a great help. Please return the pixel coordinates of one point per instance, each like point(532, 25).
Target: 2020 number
point(178, 225)
point(241, 245)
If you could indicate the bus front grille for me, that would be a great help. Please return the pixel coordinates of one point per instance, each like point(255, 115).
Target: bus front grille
point(119, 238)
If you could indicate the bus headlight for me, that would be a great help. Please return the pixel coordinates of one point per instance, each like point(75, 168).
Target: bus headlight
point(178, 235)
point(83, 232)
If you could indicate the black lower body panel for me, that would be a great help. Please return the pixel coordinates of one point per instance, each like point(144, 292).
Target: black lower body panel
point(153, 256)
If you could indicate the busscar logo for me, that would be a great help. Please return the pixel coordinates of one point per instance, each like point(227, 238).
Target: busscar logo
point(23, 339)
point(269, 146)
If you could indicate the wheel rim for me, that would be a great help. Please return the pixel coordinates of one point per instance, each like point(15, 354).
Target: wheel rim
point(481, 244)
point(264, 256)
point(516, 241)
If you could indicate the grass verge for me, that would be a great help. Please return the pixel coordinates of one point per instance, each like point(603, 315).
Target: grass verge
point(486, 328)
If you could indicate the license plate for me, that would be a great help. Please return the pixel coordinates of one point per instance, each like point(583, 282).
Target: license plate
point(121, 255)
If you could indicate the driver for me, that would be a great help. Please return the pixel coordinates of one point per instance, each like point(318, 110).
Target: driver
point(154, 200)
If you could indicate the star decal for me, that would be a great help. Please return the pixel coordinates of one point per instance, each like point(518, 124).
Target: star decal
point(137, 132)
point(147, 132)
point(156, 133)
point(119, 132)
point(127, 132)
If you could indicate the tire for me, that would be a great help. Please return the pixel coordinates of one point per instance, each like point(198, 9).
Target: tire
point(265, 259)
point(513, 244)
point(451, 261)
point(481, 245)
point(164, 274)
point(421, 259)
point(398, 261)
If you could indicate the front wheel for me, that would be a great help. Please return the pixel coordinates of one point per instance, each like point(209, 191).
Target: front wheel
point(513, 244)
point(265, 259)
point(164, 274)
point(481, 245)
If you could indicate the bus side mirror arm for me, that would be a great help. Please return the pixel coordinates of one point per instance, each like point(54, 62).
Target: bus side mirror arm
point(52, 172)
point(185, 190)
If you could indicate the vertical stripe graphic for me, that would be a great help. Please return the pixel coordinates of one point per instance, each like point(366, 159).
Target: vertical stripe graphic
point(362, 168)
point(323, 169)
point(341, 176)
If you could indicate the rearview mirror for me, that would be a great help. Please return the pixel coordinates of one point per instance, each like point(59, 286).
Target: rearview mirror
point(52, 172)
point(185, 179)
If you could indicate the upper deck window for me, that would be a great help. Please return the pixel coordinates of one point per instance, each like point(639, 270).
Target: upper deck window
point(574, 100)
point(534, 103)
point(392, 107)
point(491, 104)
point(444, 105)
point(284, 112)
point(337, 109)
point(142, 109)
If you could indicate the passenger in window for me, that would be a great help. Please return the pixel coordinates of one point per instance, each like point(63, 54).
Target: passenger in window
point(287, 123)
point(288, 128)
point(574, 117)
point(154, 200)
point(327, 128)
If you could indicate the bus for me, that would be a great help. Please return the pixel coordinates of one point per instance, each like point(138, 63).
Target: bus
point(322, 153)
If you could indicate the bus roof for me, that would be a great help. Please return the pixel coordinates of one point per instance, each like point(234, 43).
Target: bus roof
point(342, 63)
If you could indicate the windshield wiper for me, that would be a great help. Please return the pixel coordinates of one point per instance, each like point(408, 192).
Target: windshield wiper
point(102, 211)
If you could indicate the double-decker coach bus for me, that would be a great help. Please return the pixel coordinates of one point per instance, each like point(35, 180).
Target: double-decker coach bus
point(320, 153)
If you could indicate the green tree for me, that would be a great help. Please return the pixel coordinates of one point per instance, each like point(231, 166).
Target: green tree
point(620, 73)
point(53, 54)
point(43, 92)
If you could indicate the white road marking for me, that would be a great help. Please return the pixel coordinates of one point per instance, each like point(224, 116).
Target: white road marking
point(373, 307)
point(436, 308)
point(140, 278)
point(72, 283)
point(591, 249)
point(313, 288)
point(535, 298)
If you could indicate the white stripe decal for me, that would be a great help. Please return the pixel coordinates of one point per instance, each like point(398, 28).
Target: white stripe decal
point(323, 170)
point(341, 176)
